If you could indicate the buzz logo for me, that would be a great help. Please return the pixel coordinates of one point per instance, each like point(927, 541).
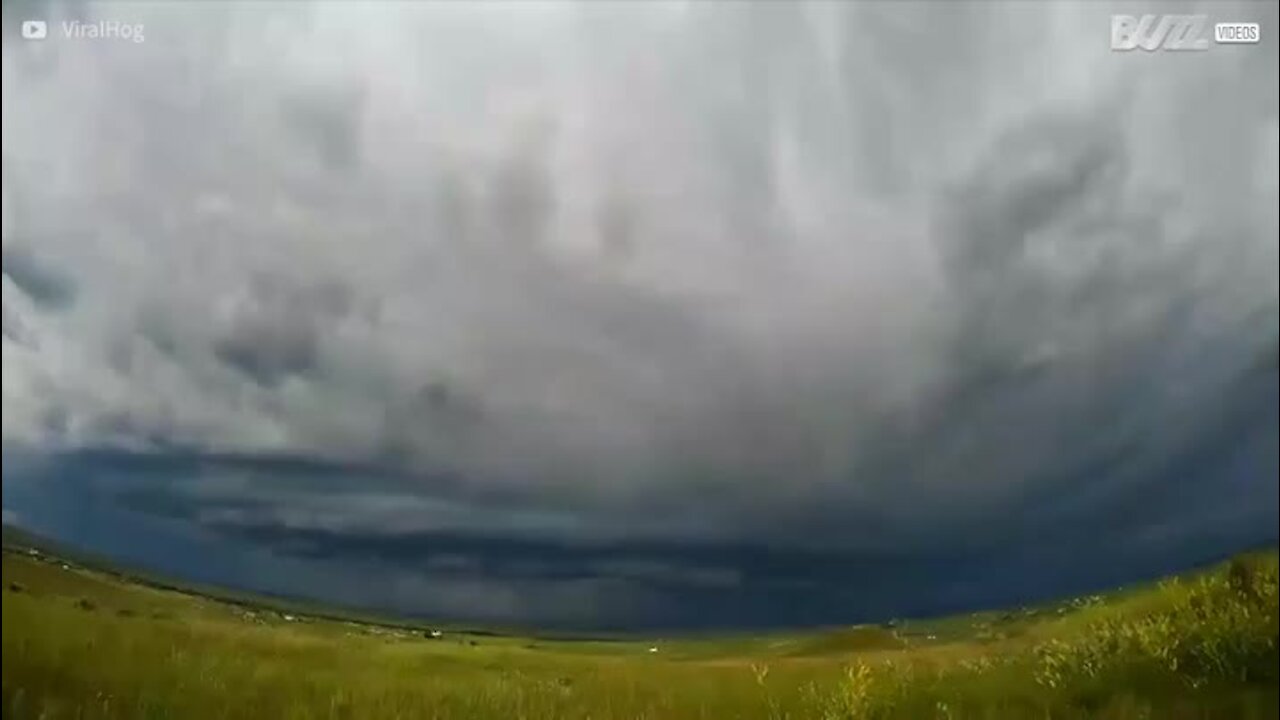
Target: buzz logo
point(1159, 32)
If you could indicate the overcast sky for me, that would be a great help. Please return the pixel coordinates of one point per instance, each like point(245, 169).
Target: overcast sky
point(638, 314)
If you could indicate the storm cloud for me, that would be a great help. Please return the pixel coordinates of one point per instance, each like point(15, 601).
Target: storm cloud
point(740, 300)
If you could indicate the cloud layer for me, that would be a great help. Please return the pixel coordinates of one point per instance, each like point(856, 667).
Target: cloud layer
point(829, 278)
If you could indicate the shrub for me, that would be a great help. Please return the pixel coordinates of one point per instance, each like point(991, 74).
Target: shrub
point(1219, 628)
point(1222, 626)
point(852, 698)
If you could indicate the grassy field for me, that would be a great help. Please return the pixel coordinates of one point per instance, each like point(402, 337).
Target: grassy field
point(80, 643)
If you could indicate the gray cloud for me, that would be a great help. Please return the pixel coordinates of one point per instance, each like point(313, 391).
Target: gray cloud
point(839, 275)
point(43, 284)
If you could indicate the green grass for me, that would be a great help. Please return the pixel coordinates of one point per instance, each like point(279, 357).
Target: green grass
point(85, 644)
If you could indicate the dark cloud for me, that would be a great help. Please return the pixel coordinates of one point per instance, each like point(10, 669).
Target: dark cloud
point(310, 515)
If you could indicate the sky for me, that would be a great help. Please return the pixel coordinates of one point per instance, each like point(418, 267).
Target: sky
point(640, 315)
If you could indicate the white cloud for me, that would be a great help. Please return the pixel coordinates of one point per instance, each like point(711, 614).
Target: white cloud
point(745, 255)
